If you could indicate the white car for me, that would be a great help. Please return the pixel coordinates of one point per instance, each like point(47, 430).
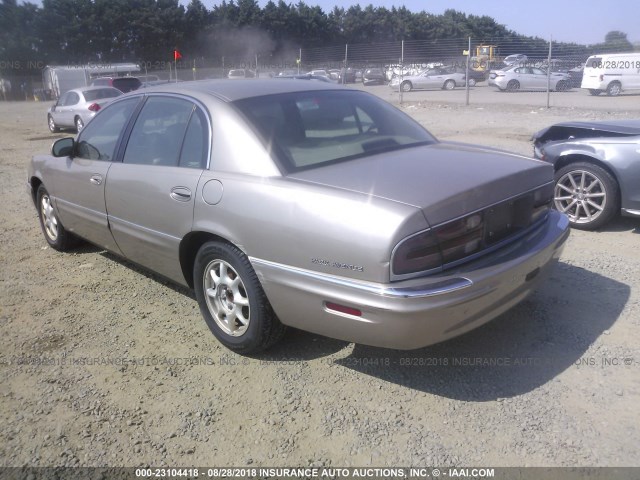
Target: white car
point(76, 107)
point(430, 78)
point(528, 78)
point(517, 59)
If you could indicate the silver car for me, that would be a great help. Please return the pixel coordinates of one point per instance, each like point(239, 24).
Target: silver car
point(430, 78)
point(528, 78)
point(76, 107)
point(597, 169)
point(303, 204)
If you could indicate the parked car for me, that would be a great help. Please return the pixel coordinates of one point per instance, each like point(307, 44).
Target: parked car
point(76, 107)
point(430, 78)
point(124, 84)
point(575, 76)
point(528, 79)
point(239, 73)
point(321, 73)
point(475, 76)
point(517, 59)
point(307, 76)
point(612, 73)
point(305, 204)
point(597, 168)
point(374, 76)
point(347, 75)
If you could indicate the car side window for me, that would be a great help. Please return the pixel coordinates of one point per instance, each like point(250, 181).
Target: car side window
point(537, 71)
point(63, 100)
point(159, 131)
point(72, 99)
point(98, 139)
point(194, 149)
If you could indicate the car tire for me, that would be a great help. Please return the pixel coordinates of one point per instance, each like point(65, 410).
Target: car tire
point(54, 232)
point(449, 85)
point(587, 194)
point(53, 128)
point(79, 124)
point(562, 86)
point(595, 92)
point(472, 82)
point(513, 86)
point(614, 89)
point(232, 301)
point(406, 86)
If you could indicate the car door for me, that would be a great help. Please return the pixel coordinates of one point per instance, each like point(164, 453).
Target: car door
point(150, 194)
point(79, 181)
point(539, 79)
point(60, 112)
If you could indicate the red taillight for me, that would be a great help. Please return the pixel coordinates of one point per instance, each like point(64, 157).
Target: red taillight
point(94, 107)
point(336, 307)
point(445, 244)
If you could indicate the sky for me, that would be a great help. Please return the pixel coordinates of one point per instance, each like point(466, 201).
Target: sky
point(579, 21)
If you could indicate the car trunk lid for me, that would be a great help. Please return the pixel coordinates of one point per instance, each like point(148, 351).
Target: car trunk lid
point(445, 180)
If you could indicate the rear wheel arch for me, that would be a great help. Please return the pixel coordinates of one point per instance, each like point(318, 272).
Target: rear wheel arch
point(35, 184)
point(189, 247)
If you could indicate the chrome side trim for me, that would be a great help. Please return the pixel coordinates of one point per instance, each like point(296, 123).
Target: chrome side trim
point(384, 290)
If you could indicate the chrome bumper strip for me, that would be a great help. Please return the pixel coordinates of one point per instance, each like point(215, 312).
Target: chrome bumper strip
point(437, 288)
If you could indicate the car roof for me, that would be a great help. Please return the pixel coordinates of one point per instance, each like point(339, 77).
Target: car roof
point(240, 89)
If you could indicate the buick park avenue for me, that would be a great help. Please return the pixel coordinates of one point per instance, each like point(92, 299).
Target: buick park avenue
point(303, 204)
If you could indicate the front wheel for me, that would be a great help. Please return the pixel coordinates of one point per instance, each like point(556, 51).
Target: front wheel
point(513, 86)
point(406, 86)
point(587, 193)
point(54, 232)
point(449, 85)
point(562, 86)
point(472, 82)
point(79, 124)
point(53, 128)
point(232, 301)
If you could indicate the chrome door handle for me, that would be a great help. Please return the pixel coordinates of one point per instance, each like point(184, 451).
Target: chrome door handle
point(96, 179)
point(181, 194)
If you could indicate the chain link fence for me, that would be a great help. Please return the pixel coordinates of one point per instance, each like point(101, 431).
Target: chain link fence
point(543, 65)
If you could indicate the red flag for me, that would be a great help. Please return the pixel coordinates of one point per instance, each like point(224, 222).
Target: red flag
point(176, 55)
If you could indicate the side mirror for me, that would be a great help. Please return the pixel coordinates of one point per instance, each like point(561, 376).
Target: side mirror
point(63, 147)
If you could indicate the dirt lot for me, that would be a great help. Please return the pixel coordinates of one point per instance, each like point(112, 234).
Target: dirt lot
point(102, 364)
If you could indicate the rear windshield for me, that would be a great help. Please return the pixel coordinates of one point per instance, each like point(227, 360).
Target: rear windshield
point(93, 95)
point(310, 129)
point(127, 84)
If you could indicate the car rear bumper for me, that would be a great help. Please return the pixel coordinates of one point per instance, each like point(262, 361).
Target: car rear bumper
point(418, 312)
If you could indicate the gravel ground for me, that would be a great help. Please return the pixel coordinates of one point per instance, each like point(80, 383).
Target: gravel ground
point(103, 364)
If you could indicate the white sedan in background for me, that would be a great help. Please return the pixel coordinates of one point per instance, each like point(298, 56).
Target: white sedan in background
point(429, 78)
point(528, 78)
point(76, 107)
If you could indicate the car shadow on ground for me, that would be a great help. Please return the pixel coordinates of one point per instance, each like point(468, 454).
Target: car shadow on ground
point(622, 224)
point(516, 353)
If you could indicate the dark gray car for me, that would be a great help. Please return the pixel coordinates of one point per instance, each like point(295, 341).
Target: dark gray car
point(597, 168)
point(304, 204)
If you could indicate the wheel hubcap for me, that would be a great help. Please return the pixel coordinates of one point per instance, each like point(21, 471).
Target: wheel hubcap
point(581, 195)
point(226, 298)
point(49, 218)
